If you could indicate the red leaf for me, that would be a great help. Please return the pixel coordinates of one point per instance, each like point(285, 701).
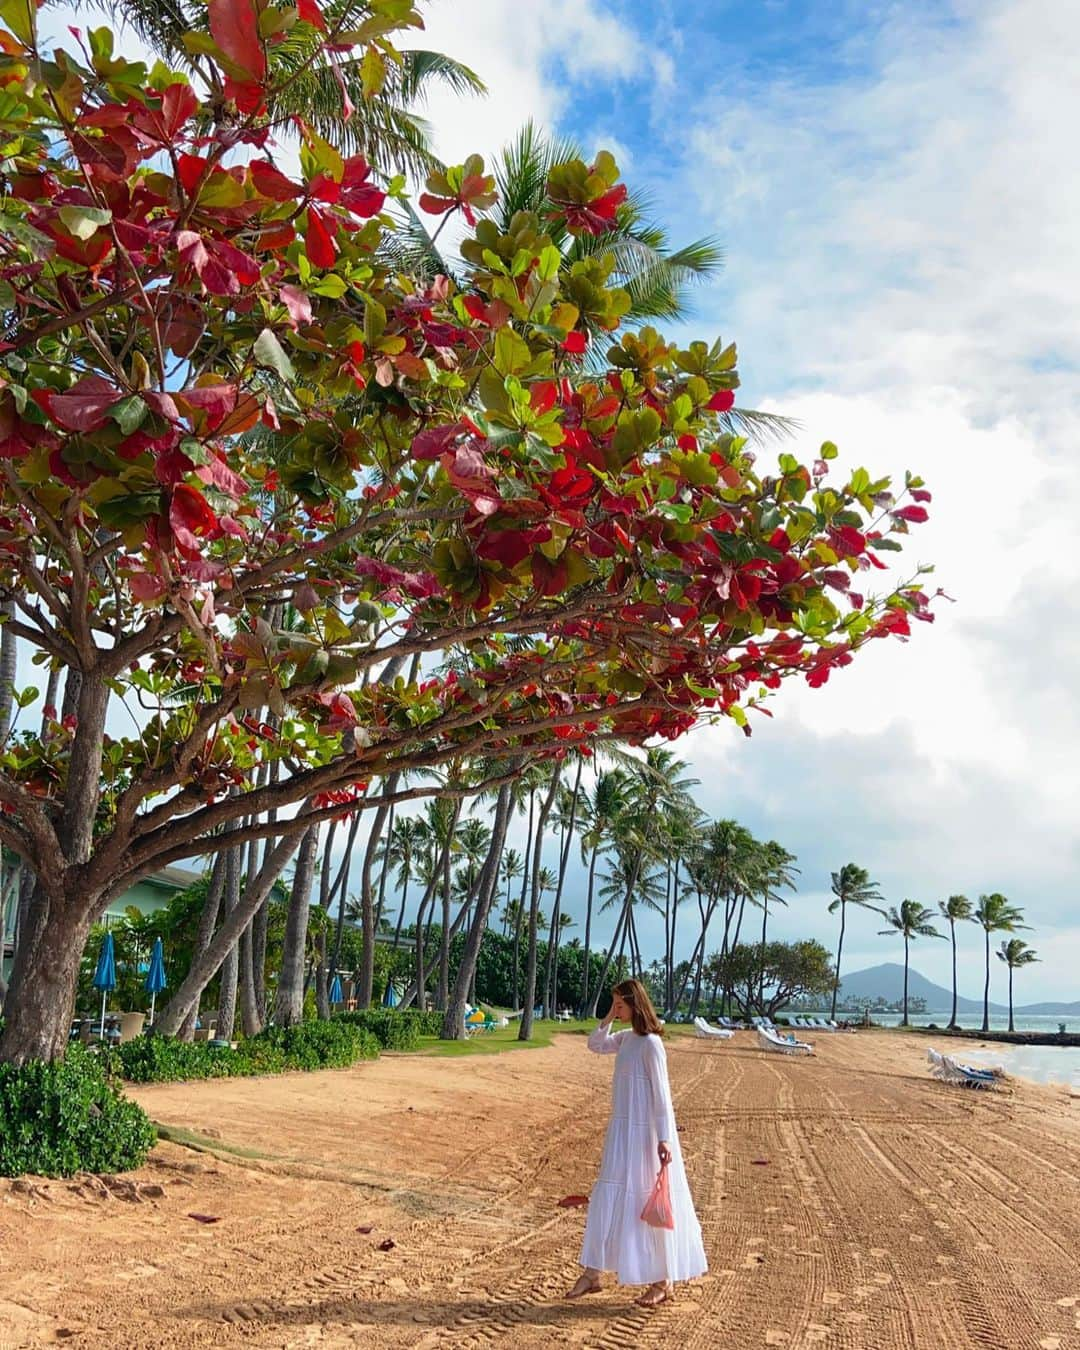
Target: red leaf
point(914, 515)
point(575, 343)
point(178, 103)
point(215, 401)
point(433, 442)
point(920, 494)
point(271, 182)
point(387, 1245)
point(297, 303)
point(310, 12)
point(217, 472)
point(83, 407)
point(722, 401)
point(234, 27)
point(205, 1218)
point(436, 206)
point(190, 515)
point(321, 248)
point(573, 1201)
point(364, 1228)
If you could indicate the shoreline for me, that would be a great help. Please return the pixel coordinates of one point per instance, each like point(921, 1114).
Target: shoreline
point(1068, 1039)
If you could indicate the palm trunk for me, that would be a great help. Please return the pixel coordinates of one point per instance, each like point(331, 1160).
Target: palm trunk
point(442, 998)
point(551, 975)
point(207, 923)
point(406, 864)
point(230, 967)
point(839, 953)
point(907, 949)
point(289, 1001)
point(525, 1031)
point(453, 1027)
point(986, 986)
point(588, 932)
point(1011, 1027)
point(322, 984)
point(521, 902)
point(952, 932)
point(764, 929)
point(249, 1002)
point(616, 940)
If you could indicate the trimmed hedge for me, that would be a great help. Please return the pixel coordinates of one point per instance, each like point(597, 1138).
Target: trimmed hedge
point(311, 1045)
point(58, 1119)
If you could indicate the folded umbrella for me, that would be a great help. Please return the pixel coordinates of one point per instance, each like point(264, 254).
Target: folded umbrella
point(155, 977)
point(105, 974)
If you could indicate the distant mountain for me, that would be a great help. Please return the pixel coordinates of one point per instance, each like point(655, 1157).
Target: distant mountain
point(887, 981)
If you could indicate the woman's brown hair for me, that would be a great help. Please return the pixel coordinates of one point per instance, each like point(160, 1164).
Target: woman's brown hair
point(643, 1016)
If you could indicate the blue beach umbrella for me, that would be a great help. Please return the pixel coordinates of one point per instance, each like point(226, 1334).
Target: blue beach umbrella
point(391, 997)
point(105, 973)
point(155, 977)
point(336, 995)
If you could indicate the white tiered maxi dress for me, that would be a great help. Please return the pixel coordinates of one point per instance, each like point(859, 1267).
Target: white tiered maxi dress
point(616, 1238)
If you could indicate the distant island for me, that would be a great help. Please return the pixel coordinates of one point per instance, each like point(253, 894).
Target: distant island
point(882, 987)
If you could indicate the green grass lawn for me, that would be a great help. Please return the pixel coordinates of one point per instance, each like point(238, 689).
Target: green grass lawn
point(506, 1038)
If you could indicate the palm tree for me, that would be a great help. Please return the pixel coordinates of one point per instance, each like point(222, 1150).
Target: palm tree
point(407, 838)
point(512, 866)
point(912, 920)
point(851, 886)
point(777, 868)
point(994, 914)
point(598, 817)
point(1015, 953)
point(386, 130)
point(956, 910)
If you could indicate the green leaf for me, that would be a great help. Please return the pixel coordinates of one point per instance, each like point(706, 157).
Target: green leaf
point(550, 260)
point(829, 451)
point(129, 413)
point(268, 351)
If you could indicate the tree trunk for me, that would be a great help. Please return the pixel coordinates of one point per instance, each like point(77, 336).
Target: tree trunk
point(521, 901)
point(380, 903)
point(952, 934)
point(249, 1003)
point(616, 938)
point(986, 986)
point(289, 1001)
point(421, 974)
point(551, 975)
point(205, 931)
point(906, 951)
point(259, 924)
point(1011, 1027)
point(41, 995)
point(525, 1031)
point(839, 953)
point(205, 967)
point(453, 1028)
point(443, 995)
point(230, 967)
point(367, 905)
point(9, 662)
point(588, 932)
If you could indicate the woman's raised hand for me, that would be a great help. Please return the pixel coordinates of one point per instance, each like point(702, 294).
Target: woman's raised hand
point(664, 1154)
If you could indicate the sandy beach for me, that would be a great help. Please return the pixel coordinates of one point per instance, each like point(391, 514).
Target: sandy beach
point(846, 1201)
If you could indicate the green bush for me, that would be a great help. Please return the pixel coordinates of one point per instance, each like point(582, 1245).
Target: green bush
point(57, 1119)
point(319, 1045)
point(393, 1030)
point(162, 1059)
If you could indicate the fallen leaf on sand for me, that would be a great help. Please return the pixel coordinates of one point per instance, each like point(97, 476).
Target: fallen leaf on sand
point(364, 1227)
point(573, 1201)
point(759, 1162)
point(205, 1218)
point(387, 1245)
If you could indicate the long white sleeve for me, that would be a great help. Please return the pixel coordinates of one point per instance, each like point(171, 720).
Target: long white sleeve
point(655, 1060)
point(603, 1042)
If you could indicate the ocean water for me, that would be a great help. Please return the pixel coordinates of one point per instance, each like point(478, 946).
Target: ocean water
point(973, 1021)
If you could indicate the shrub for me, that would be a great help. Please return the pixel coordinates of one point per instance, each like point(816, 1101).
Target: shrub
point(319, 1045)
point(162, 1059)
point(57, 1119)
point(393, 1030)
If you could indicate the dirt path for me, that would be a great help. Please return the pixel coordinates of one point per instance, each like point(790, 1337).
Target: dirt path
point(847, 1201)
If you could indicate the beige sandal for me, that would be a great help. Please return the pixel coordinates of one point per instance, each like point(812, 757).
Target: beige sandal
point(586, 1284)
point(660, 1292)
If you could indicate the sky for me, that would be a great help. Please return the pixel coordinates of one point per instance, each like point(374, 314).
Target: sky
point(895, 189)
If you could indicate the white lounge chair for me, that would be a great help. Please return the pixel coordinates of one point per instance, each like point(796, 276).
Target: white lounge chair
point(770, 1039)
point(947, 1070)
point(703, 1029)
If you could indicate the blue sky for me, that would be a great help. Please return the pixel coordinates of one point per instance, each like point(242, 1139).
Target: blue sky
point(894, 186)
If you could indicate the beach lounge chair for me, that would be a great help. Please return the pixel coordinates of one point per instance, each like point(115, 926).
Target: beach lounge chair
point(704, 1030)
point(947, 1070)
point(770, 1039)
point(131, 1025)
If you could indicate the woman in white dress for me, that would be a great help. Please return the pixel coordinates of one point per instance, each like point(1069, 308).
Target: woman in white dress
point(641, 1137)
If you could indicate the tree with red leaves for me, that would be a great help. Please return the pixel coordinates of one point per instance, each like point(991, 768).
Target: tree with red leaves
point(219, 399)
